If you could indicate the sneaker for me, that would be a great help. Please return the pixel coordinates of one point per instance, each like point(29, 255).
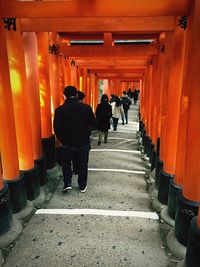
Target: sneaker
point(67, 188)
point(82, 190)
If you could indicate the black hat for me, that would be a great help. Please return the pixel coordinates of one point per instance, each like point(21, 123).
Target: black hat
point(81, 95)
point(70, 91)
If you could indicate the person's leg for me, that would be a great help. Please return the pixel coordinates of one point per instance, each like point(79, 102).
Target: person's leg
point(83, 157)
point(100, 137)
point(114, 123)
point(75, 165)
point(126, 116)
point(122, 116)
point(105, 136)
point(66, 168)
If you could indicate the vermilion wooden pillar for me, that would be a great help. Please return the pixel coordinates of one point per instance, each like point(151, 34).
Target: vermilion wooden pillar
point(92, 84)
point(164, 88)
point(172, 117)
point(160, 98)
point(31, 54)
point(1, 176)
point(78, 77)
point(22, 110)
point(74, 81)
point(154, 109)
point(188, 201)
point(8, 141)
point(9, 163)
point(53, 69)
point(96, 92)
point(106, 87)
point(48, 139)
point(81, 80)
point(61, 79)
point(165, 48)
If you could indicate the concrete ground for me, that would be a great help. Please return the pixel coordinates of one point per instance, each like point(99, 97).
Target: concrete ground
point(112, 224)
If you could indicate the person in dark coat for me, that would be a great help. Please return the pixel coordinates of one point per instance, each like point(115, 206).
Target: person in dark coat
point(103, 115)
point(81, 97)
point(72, 124)
point(135, 96)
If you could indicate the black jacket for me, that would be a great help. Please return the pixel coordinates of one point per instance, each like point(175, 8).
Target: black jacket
point(103, 115)
point(73, 122)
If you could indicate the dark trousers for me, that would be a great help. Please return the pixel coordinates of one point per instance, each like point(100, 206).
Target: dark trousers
point(126, 115)
point(81, 155)
point(115, 123)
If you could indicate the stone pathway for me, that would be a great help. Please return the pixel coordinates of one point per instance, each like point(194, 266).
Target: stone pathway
point(109, 225)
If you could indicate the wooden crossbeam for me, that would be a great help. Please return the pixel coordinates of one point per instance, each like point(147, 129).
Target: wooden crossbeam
point(115, 51)
point(106, 70)
point(115, 36)
point(94, 8)
point(119, 77)
point(105, 24)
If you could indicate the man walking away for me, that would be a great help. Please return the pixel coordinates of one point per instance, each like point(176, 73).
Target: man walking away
point(126, 102)
point(72, 123)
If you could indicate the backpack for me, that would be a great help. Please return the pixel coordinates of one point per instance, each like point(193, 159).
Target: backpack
point(126, 103)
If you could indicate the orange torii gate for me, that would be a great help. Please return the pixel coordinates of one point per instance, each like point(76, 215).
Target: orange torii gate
point(84, 65)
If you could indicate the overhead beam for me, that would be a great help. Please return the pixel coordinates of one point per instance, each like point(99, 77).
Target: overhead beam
point(105, 24)
point(119, 77)
point(110, 67)
point(94, 8)
point(115, 51)
point(99, 36)
point(132, 70)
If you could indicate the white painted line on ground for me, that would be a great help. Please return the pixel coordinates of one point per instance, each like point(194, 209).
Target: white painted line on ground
point(123, 142)
point(116, 150)
point(127, 132)
point(98, 212)
point(116, 170)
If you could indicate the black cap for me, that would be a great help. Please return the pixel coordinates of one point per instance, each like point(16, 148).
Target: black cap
point(81, 95)
point(70, 91)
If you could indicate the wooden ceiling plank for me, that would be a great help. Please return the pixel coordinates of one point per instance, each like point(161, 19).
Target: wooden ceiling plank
point(95, 8)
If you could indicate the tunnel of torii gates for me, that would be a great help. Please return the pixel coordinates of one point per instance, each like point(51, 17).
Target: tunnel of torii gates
point(153, 46)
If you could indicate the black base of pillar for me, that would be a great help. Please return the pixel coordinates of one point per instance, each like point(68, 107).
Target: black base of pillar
point(158, 147)
point(141, 125)
point(151, 149)
point(42, 170)
point(159, 165)
point(144, 138)
point(17, 193)
point(163, 186)
point(172, 198)
point(193, 246)
point(185, 211)
point(5, 210)
point(149, 142)
point(153, 159)
point(48, 146)
point(31, 178)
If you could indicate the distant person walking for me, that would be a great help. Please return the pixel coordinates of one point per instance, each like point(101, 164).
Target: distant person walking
point(126, 102)
point(103, 115)
point(130, 93)
point(135, 96)
point(72, 123)
point(116, 112)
